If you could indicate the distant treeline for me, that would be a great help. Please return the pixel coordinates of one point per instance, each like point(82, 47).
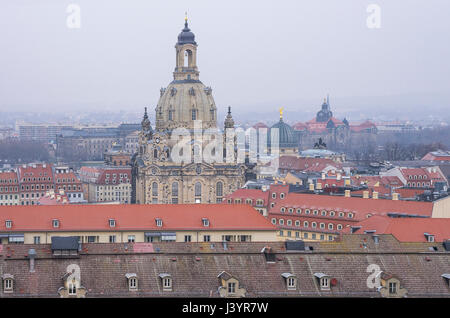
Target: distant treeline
point(18, 151)
point(402, 146)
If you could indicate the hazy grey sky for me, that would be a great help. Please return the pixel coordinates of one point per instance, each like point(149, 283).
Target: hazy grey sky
point(252, 52)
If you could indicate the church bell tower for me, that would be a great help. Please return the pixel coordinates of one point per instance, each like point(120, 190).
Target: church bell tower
point(186, 55)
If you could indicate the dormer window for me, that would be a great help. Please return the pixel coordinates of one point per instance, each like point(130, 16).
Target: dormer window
point(112, 223)
point(274, 195)
point(429, 237)
point(231, 288)
point(8, 283)
point(166, 281)
point(132, 281)
point(282, 195)
point(392, 288)
point(324, 281)
point(159, 222)
point(205, 222)
point(8, 224)
point(72, 287)
point(55, 223)
point(291, 281)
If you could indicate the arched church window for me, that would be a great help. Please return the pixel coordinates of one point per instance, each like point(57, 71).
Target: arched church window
point(175, 189)
point(212, 114)
point(194, 114)
point(170, 114)
point(187, 58)
point(155, 153)
point(219, 189)
point(198, 189)
point(154, 189)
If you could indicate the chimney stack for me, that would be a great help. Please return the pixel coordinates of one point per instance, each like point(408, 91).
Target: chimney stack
point(365, 194)
point(323, 175)
point(395, 196)
point(311, 186)
point(375, 195)
point(338, 176)
point(319, 186)
point(347, 193)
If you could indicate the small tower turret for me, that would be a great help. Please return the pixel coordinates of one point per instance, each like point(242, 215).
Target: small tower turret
point(229, 121)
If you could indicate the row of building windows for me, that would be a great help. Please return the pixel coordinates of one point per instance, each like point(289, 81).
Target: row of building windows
point(297, 223)
point(247, 201)
point(11, 189)
point(316, 212)
point(41, 187)
point(413, 184)
point(417, 177)
point(307, 236)
point(36, 179)
point(10, 197)
point(64, 180)
point(6, 181)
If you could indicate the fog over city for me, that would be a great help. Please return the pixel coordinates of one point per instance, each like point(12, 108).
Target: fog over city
point(256, 55)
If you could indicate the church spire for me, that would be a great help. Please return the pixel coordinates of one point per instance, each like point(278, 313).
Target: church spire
point(145, 121)
point(229, 121)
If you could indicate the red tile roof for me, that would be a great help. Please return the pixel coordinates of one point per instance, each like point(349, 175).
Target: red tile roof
point(35, 171)
point(6, 176)
point(408, 193)
point(98, 175)
point(371, 181)
point(406, 229)
point(69, 177)
point(300, 126)
point(437, 156)
point(363, 126)
point(359, 206)
point(302, 163)
point(253, 194)
point(260, 125)
point(56, 199)
point(133, 217)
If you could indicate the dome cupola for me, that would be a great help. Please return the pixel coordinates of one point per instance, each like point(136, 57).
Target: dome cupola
point(287, 135)
point(186, 36)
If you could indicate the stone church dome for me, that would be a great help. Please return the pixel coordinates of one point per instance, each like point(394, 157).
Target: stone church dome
point(183, 102)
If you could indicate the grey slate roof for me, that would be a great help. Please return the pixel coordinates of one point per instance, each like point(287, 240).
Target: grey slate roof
point(195, 267)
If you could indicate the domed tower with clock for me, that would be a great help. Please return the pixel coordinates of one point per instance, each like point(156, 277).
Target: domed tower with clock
point(157, 178)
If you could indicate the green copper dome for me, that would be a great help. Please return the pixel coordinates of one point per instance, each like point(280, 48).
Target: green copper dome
point(288, 138)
